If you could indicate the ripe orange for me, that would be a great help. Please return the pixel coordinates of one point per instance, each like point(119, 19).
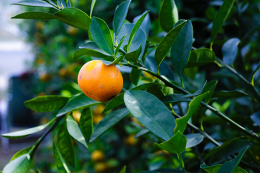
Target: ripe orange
point(101, 167)
point(130, 140)
point(97, 118)
point(99, 81)
point(98, 109)
point(97, 156)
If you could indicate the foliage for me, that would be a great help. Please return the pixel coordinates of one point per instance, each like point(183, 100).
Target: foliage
point(166, 95)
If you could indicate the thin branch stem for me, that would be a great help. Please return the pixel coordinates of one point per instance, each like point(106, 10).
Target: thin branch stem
point(184, 91)
point(248, 84)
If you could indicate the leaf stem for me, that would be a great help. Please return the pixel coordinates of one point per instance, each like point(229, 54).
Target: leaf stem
point(184, 91)
point(36, 145)
point(248, 84)
point(182, 162)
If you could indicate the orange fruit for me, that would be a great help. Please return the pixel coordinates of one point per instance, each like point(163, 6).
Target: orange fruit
point(97, 156)
point(39, 25)
point(45, 77)
point(72, 30)
point(97, 118)
point(62, 72)
point(130, 140)
point(99, 81)
point(98, 109)
point(101, 167)
point(76, 115)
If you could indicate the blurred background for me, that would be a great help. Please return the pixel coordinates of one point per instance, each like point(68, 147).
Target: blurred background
point(36, 60)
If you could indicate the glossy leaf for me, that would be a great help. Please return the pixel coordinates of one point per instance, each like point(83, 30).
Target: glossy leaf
point(34, 15)
point(220, 17)
point(229, 50)
point(75, 131)
point(117, 60)
point(74, 17)
point(134, 30)
point(133, 56)
point(229, 166)
point(80, 101)
point(145, 24)
point(59, 161)
point(33, 3)
point(200, 57)
point(135, 75)
point(120, 15)
point(21, 152)
point(230, 94)
point(141, 133)
point(91, 49)
point(181, 123)
point(175, 145)
point(86, 123)
point(209, 88)
point(175, 98)
point(167, 42)
point(120, 44)
point(226, 149)
point(148, 109)
point(215, 168)
point(180, 50)
point(19, 165)
point(26, 132)
point(119, 99)
point(168, 15)
point(107, 122)
point(193, 139)
point(101, 35)
point(46, 103)
point(92, 7)
point(139, 39)
point(65, 146)
point(196, 93)
point(256, 117)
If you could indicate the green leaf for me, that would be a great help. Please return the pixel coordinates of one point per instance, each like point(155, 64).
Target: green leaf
point(75, 131)
point(46, 103)
point(209, 87)
point(253, 76)
point(101, 35)
point(34, 15)
point(200, 57)
point(229, 50)
point(146, 23)
point(220, 17)
point(91, 49)
point(21, 164)
point(117, 60)
point(133, 56)
point(139, 39)
point(123, 170)
point(168, 15)
point(59, 161)
point(230, 147)
point(229, 166)
point(149, 110)
point(141, 133)
point(175, 145)
point(86, 123)
point(181, 123)
point(134, 30)
point(74, 17)
point(80, 101)
point(119, 99)
point(215, 168)
point(33, 3)
point(198, 92)
point(256, 117)
point(107, 122)
point(120, 43)
point(120, 15)
point(175, 98)
point(65, 146)
point(20, 153)
point(193, 139)
point(135, 75)
point(230, 94)
point(180, 50)
point(24, 133)
point(92, 7)
point(166, 43)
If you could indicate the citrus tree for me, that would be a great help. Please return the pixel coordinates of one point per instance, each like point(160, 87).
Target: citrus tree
point(181, 111)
